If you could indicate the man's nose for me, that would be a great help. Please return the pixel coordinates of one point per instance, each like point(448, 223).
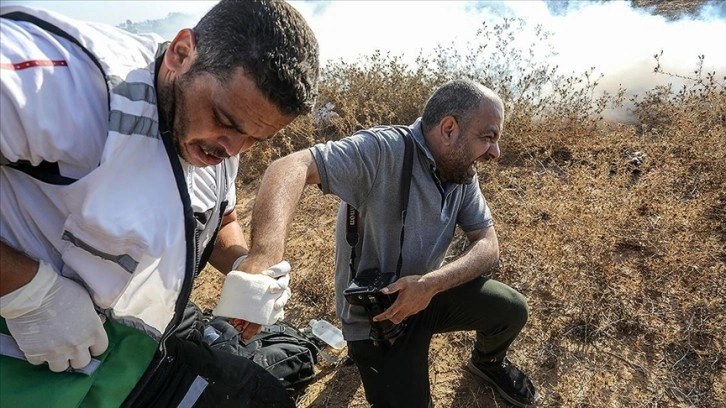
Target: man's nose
point(236, 145)
point(493, 151)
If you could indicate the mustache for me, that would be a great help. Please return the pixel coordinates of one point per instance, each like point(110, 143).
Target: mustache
point(216, 151)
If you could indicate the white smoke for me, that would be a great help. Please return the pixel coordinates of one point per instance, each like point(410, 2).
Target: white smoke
point(616, 39)
point(119, 12)
point(621, 42)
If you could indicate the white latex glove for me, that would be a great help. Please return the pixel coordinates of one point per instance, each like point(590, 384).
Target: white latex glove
point(53, 320)
point(255, 298)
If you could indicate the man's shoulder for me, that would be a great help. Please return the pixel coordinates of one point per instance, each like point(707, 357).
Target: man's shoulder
point(386, 138)
point(387, 131)
point(379, 147)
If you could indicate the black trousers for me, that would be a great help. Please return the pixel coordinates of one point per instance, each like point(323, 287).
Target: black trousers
point(398, 376)
point(195, 375)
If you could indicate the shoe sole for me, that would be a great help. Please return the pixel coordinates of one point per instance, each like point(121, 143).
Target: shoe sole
point(479, 373)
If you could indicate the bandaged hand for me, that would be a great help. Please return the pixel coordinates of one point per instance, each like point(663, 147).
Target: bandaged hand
point(53, 320)
point(255, 298)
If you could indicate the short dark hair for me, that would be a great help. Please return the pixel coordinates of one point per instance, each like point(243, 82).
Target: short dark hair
point(458, 98)
point(270, 40)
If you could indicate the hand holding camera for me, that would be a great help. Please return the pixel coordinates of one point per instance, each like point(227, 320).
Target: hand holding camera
point(388, 302)
point(413, 295)
point(366, 290)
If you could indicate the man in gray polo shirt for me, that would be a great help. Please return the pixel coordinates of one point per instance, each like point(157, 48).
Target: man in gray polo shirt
point(461, 125)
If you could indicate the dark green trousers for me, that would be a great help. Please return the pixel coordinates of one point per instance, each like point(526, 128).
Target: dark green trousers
point(398, 376)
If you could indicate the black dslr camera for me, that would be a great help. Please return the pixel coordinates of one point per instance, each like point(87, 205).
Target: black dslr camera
point(365, 290)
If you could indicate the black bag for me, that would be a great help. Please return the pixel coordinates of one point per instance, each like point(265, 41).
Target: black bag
point(286, 352)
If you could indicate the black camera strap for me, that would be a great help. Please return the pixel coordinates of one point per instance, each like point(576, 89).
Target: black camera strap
point(352, 229)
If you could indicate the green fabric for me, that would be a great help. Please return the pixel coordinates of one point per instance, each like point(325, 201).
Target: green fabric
point(129, 353)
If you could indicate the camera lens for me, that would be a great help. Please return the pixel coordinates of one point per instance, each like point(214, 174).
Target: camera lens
point(386, 332)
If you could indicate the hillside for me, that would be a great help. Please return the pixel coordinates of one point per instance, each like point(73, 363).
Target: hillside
point(615, 232)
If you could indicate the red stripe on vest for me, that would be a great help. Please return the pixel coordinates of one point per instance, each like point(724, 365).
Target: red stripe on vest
point(34, 63)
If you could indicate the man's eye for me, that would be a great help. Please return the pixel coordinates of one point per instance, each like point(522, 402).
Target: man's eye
point(219, 122)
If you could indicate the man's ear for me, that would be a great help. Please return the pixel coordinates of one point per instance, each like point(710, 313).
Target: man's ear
point(449, 129)
point(181, 52)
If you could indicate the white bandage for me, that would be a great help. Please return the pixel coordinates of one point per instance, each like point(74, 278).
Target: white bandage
point(256, 298)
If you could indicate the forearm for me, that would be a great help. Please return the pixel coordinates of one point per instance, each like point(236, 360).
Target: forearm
point(280, 191)
point(16, 269)
point(230, 244)
point(478, 259)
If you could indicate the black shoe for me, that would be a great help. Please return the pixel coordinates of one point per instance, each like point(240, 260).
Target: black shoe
point(510, 381)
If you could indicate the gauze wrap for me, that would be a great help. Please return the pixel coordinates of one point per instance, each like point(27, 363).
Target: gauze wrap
point(256, 298)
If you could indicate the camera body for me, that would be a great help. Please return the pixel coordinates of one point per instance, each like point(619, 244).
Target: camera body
point(365, 290)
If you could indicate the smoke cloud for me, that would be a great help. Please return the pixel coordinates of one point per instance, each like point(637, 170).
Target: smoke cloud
point(619, 41)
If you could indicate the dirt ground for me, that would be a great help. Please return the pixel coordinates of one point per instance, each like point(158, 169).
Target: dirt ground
point(623, 313)
point(616, 234)
point(310, 252)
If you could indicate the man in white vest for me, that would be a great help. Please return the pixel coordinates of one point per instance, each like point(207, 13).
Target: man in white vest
point(119, 154)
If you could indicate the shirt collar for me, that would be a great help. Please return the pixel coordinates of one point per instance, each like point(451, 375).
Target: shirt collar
point(445, 188)
point(418, 137)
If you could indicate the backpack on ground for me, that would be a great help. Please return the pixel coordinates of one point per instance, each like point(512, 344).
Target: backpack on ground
point(283, 350)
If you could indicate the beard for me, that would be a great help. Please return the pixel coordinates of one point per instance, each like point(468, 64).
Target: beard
point(455, 167)
point(179, 121)
point(173, 109)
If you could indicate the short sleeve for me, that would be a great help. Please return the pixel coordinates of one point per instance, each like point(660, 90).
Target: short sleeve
point(474, 213)
point(348, 167)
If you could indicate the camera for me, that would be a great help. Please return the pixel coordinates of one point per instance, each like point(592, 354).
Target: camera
point(365, 290)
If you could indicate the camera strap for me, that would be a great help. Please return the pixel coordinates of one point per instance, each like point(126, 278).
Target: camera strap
point(352, 229)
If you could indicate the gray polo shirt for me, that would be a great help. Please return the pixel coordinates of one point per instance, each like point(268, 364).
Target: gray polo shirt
point(365, 171)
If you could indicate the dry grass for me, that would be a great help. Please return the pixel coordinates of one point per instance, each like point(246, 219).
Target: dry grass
point(616, 233)
point(671, 9)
